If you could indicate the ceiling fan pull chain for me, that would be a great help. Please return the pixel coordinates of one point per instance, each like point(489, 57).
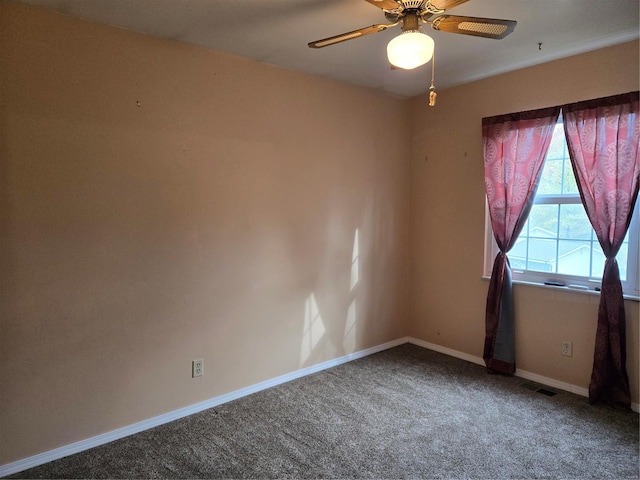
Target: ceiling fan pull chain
point(432, 88)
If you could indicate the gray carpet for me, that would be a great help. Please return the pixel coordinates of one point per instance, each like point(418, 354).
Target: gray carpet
point(406, 412)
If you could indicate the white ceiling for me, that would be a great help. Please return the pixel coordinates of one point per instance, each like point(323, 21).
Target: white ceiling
point(277, 32)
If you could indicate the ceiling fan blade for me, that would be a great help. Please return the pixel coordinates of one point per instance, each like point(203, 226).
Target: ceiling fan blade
point(445, 4)
point(476, 26)
point(361, 32)
point(385, 4)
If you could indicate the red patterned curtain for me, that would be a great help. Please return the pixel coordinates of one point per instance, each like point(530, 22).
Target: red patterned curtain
point(603, 137)
point(514, 149)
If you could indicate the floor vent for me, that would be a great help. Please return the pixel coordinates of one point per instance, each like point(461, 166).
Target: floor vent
point(548, 393)
point(534, 387)
point(530, 386)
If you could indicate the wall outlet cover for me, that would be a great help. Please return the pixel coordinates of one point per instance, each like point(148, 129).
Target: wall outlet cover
point(197, 368)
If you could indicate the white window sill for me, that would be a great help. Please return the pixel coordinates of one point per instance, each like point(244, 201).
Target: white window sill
point(633, 298)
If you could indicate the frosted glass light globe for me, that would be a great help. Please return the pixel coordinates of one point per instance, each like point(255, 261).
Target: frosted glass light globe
point(410, 50)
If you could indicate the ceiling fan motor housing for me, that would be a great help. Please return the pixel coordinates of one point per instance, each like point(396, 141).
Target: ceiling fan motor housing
point(410, 22)
point(410, 8)
point(413, 4)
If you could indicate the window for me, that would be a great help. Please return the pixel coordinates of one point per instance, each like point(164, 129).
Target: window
point(557, 243)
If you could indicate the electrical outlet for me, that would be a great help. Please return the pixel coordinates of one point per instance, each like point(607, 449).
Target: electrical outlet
point(567, 348)
point(197, 368)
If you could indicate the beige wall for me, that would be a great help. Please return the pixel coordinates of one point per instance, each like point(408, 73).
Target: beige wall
point(162, 202)
point(447, 219)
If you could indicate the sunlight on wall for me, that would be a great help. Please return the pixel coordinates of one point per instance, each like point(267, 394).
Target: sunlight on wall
point(314, 328)
point(355, 274)
point(349, 339)
point(349, 342)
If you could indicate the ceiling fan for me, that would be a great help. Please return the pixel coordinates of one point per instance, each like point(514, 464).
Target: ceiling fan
point(413, 48)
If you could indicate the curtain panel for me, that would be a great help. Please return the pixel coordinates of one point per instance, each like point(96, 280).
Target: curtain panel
point(603, 136)
point(514, 148)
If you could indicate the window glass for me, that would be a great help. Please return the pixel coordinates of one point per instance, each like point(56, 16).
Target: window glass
point(557, 175)
point(574, 223)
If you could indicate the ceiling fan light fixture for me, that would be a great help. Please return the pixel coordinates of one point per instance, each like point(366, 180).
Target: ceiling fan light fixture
point(410, 49)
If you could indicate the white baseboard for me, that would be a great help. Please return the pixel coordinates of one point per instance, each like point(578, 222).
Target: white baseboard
point(447, 351)
point(82, 445)
point(534, 377)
